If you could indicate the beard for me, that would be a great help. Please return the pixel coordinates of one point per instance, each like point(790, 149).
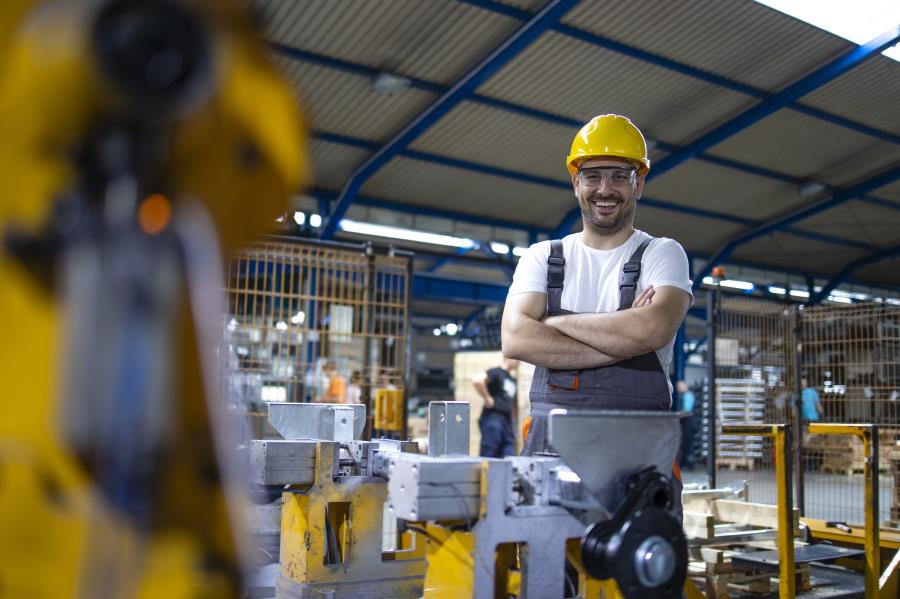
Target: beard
point(607, 224)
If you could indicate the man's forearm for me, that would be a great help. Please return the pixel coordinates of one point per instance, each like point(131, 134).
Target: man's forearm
point(536, 343)
point(626, 333)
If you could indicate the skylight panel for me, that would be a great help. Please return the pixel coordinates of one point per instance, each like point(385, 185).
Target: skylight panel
point(858, 22)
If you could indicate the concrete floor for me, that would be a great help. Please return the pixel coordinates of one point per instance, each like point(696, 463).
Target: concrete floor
point(828, 496)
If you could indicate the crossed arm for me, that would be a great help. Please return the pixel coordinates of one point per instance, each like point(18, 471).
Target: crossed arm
point(577, 341)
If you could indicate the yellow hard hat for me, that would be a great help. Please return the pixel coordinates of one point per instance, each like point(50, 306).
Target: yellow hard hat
point(609, 135)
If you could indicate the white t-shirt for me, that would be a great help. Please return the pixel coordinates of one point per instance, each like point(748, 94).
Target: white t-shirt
point(592, 276)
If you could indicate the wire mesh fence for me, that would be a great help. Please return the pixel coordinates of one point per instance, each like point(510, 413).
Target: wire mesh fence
point(849, 365)
point(311, 322)
point(846, 371)
point(754, 373)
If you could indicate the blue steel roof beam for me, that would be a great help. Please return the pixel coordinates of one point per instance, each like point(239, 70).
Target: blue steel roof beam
point(684, 69)
point(428, 286)
point(426, 211)
point(743, 264)
point(850, 268)
point(541, 115)
point(778, 224)
point(440, 262)
point(784, 98)
point(463, 89)
point(575, 213)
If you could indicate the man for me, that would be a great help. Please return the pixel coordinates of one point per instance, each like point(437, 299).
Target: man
point(600, 334)
point(336, 391)
point(810, 404)
point(686, 401)
point(497, 388)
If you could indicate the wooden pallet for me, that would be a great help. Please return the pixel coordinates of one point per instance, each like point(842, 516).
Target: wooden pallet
point(736, 463)
point(846, 468)
point(713, 571)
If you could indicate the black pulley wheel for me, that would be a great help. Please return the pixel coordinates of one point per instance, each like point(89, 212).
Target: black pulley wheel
point(648, 556)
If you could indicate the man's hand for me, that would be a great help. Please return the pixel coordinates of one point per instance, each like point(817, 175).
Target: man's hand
point(645, 298)
point(526, 338)
point(648, 326)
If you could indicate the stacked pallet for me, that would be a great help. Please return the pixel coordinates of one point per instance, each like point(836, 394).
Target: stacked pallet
point(739, 401)
point(711, 569)
point(844, 454)
point(714, 523)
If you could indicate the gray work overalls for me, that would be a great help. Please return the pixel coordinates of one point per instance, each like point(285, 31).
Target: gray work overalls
point(637, 383)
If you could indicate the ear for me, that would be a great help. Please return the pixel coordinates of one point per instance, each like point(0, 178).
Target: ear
point(639, 187)
point(575, 183)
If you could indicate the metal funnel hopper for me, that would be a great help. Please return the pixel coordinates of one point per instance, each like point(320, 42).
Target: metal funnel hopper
point(602, 446)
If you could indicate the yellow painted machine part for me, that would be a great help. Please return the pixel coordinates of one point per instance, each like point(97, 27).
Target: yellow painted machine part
point(787, 583)
point(388, 410)
point(889, 583)
point(451, 562)
point(888, 538)
point(355, 512)
point(867, 435)
point(57, 537)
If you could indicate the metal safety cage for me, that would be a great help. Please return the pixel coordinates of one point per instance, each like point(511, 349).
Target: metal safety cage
point(312, 321)
point(753, 384)
point(826, 364)
point(850, 365)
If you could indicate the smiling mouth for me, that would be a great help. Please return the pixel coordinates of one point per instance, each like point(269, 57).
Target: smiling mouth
point(606, 204)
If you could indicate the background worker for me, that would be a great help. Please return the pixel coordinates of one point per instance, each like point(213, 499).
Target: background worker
point(597, 311)
point(810, 403)
point(497, 387)
point(686, 403)
point(336, 392)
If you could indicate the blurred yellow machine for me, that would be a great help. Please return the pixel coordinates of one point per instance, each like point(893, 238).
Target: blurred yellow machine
point(140, 140)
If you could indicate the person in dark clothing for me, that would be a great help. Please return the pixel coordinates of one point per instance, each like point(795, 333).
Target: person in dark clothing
point(497, 387)
point(686, 401)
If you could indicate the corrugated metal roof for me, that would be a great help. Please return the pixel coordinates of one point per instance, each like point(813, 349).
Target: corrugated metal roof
point(567, 76)
point(696, 235)
point(885, 272)
point(489, 136)
point(725, 190)
point(435, 40)
point(343, 103)
point(799, 145)
point(858, 220)
point(869, 94)
point(891, 191)
point(332, 163)
point(738, 39)
point(486, 135)
point(440, 40)
point(436, 186)
point(796, 254)
point(529, 5)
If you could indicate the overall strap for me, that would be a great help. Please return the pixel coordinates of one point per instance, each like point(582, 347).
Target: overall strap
point(631, 272)
point(556, 273)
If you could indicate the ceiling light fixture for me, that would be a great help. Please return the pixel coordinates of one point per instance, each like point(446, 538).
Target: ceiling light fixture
point(351, 226)
point(388, 84)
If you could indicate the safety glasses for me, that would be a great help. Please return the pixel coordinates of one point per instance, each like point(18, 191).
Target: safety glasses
point(617, 176)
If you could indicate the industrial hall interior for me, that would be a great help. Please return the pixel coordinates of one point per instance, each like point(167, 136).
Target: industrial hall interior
point(449, 299)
